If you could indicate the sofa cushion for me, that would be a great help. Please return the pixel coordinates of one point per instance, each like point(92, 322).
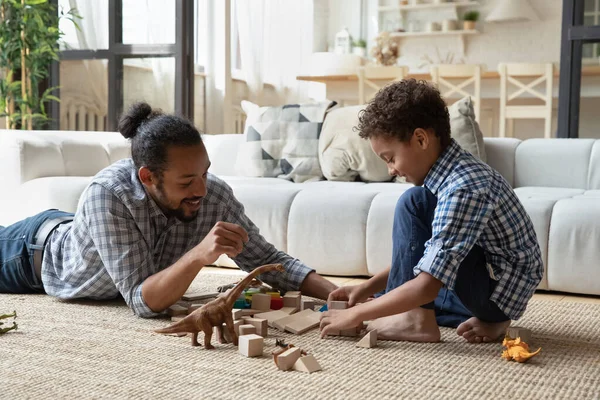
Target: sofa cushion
point(533, 192)
point(540, 211)
point(326, 230)
point(573, 250)
point(500, 154)
point(34, 196)
point(562, 163)
point(282, 141)
point(272, 221)
point(594, 175)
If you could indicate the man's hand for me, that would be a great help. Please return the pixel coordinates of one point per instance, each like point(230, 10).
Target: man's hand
point(223, 238)
point(333, 320)
point(351, 294)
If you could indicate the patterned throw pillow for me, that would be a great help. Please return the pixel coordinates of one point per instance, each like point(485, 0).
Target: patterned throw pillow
point(282, 141)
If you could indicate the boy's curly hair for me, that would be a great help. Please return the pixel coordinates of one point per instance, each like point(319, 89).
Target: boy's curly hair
point(401, 107)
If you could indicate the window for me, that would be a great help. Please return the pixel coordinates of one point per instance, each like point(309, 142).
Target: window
point(129, 49)
point(591, 17)
point(579, 42)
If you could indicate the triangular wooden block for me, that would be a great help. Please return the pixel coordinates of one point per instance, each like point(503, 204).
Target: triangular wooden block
point(369, 340)
point(307, 364)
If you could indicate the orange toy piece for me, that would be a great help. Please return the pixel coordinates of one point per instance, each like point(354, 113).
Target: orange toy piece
point(517, 350)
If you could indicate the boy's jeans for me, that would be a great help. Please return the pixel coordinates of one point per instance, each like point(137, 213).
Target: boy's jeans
point(17, 247)
point(413, 219)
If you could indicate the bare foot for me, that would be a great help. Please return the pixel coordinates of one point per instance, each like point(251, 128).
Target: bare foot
point(416, 325)
point(475, 330)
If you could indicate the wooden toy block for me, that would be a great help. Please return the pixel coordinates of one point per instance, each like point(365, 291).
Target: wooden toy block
point(304, 324)
point(199, 296)
point(337, 305)
point(287, 359)
point(176, 310)
point(236, 326)
point(261, 302)
point(282, 322)
point(274, 295)
point(226, 334)
point(276, 303)
point(307, 305)
point(369, 340)
point(247, 329)
point(239, 313)
point(251, 345)
point(514, 332)
point(261, 325)
point(349, 332)
point(289, 310)
point(271, 316)
point(292, 299)
point(307, 364)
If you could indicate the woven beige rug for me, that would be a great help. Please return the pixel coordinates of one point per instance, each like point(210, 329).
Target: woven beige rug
point(100, 350)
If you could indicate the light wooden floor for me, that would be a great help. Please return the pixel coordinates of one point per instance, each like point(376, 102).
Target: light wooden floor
point(345, 281)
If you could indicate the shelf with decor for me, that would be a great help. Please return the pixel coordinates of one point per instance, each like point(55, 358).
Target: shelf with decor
point(425, 6)
point(459, 33)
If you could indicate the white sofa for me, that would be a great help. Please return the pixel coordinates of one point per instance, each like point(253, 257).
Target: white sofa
point(339, 228)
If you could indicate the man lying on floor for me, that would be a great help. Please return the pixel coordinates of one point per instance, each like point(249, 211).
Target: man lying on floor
point(144, 228)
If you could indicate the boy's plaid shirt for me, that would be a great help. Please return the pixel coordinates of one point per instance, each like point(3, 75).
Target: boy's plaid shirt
point(477, 206)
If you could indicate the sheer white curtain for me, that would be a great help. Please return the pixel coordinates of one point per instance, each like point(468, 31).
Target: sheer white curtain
point(276, 39)
point(92, 35)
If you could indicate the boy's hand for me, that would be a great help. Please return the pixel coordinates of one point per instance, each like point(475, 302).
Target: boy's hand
point(334, 320)
point(351, 294)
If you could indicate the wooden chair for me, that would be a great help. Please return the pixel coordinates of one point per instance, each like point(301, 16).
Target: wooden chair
point(541, 73)
point(367, 76)
point(469, 74)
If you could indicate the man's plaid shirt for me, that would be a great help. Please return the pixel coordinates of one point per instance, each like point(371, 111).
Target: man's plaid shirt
point(477, 206)
point(120, 237)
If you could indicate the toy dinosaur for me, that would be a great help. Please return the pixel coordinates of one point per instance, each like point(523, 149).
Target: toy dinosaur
point(10, 328)
point(517, 350)
point(216, 312)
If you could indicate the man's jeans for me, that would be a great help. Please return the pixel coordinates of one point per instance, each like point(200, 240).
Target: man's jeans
point(413, 221)
point(17, 246)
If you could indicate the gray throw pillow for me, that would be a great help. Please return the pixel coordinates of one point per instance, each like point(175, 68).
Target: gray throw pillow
point(465, 130)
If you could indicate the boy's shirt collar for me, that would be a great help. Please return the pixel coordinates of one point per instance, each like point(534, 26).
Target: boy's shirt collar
point(440, 170)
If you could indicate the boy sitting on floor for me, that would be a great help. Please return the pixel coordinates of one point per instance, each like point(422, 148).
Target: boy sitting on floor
point(465, 253)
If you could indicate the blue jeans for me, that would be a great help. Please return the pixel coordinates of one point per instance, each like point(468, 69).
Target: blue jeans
point(17, 246)
point(413, 220)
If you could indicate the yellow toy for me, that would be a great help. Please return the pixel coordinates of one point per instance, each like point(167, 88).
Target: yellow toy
point(517, 350)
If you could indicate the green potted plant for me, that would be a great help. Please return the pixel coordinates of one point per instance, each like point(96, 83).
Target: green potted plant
point(359, 47)
point(29, 42)
point(469, 20)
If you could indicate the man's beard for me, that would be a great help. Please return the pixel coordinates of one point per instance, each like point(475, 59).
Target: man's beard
point(173, 212)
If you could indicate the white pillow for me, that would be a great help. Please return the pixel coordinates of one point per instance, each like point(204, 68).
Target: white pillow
point(343, 154)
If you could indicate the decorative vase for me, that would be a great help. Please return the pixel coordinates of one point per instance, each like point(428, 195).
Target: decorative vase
point(449, 25)
point(432, 27)
point(469, 25)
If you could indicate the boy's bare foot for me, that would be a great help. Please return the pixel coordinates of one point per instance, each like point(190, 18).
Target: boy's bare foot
point(475, 330)
point(417, 325)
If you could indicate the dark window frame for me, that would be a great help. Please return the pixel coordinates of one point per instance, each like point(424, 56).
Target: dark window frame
point(574, 35)
point(182, 50)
